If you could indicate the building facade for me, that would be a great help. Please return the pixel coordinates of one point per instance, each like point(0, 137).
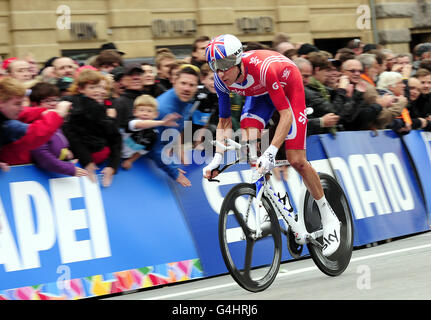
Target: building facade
point(48, 28)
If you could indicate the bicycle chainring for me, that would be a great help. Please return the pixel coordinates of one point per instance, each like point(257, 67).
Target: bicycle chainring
point(294, 248)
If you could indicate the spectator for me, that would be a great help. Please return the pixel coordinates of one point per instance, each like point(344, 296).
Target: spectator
point(398, 118)
point(110, 46)
point(107, 60)
point(140, 137)
point(205, 109)
point(20, 70)
point(280, 37)
point(149, 81)
point(425, 64)
point(23, 128)
point(390, 59)
point(45, 95)
point(164, 61)
point(424, 76)
point(370, 68)
point(252, 45)
point(119, 84)
point(418, 113)
point(381, 61)
point(367, 103)
point(321, 67)
point(48, 75)
point(282, 47)
point(421, 52)
point(93, 136)
point(179, 99)
point(64, 67)
point(198, 53)
point(403, 65)
point(325, 112)
point(403, 59)
point(34, 68)
point(54, 155)
point(421, 107)
point(321, 113)
point(133, 84)
point(174, 69)
point(344, 54)
point(369, 47)
point(105, 98)
point(305, 49)
point(356, 45)
point(334, 74)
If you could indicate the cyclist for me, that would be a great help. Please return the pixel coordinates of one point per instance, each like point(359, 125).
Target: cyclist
point(270, 81)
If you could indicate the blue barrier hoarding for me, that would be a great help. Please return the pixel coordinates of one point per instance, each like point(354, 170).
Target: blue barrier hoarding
point(380, 182)
point(418, 144)
point(50, 221)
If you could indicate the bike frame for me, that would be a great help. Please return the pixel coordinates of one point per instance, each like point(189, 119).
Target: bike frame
point(295, 220)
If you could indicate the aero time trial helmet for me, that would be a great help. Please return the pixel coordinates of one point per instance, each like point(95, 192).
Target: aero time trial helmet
point(224, 52)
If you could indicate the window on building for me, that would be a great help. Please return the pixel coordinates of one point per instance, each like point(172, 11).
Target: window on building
point(333, 44)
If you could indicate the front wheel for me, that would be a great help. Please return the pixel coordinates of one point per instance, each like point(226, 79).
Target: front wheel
point(253, 261)
point(335, 264)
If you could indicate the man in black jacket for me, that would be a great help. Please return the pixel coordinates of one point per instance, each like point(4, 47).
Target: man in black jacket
point(133, 89)
point(325, 111)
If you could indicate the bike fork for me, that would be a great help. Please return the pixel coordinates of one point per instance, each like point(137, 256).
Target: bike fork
point(259, 192)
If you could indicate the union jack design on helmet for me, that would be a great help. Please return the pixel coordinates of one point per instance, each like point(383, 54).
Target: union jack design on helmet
point(215, 49)
point(224, 51)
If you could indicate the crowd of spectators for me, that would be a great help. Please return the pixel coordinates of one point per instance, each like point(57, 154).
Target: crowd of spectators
point(70, 118)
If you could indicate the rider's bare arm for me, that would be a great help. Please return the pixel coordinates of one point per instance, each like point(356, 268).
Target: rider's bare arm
point(224, 131)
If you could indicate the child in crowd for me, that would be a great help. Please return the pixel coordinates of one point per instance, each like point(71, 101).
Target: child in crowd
point(92, 134)
point(23, 129)
point(140, 136)
point(54, 155)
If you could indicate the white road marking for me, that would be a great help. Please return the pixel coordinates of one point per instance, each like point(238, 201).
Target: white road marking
point(286, 273)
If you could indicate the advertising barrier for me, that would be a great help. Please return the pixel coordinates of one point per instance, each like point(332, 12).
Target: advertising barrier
point(59, 231)
point(384, 194)
point(418, 144)
point(68, 238)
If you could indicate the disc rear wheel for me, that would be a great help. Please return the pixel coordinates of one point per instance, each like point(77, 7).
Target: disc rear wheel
point(335, 264)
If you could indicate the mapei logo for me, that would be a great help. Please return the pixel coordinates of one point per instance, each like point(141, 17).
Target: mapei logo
point(44, 221)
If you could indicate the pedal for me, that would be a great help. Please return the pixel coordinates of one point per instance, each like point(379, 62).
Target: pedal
point(314, 242)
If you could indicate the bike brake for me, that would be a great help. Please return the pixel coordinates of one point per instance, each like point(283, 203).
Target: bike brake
point(212, 171)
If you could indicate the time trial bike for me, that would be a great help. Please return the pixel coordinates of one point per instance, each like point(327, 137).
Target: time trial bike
point(253, 217)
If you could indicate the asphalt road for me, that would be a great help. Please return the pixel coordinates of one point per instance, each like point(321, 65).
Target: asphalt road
point(399, 270)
